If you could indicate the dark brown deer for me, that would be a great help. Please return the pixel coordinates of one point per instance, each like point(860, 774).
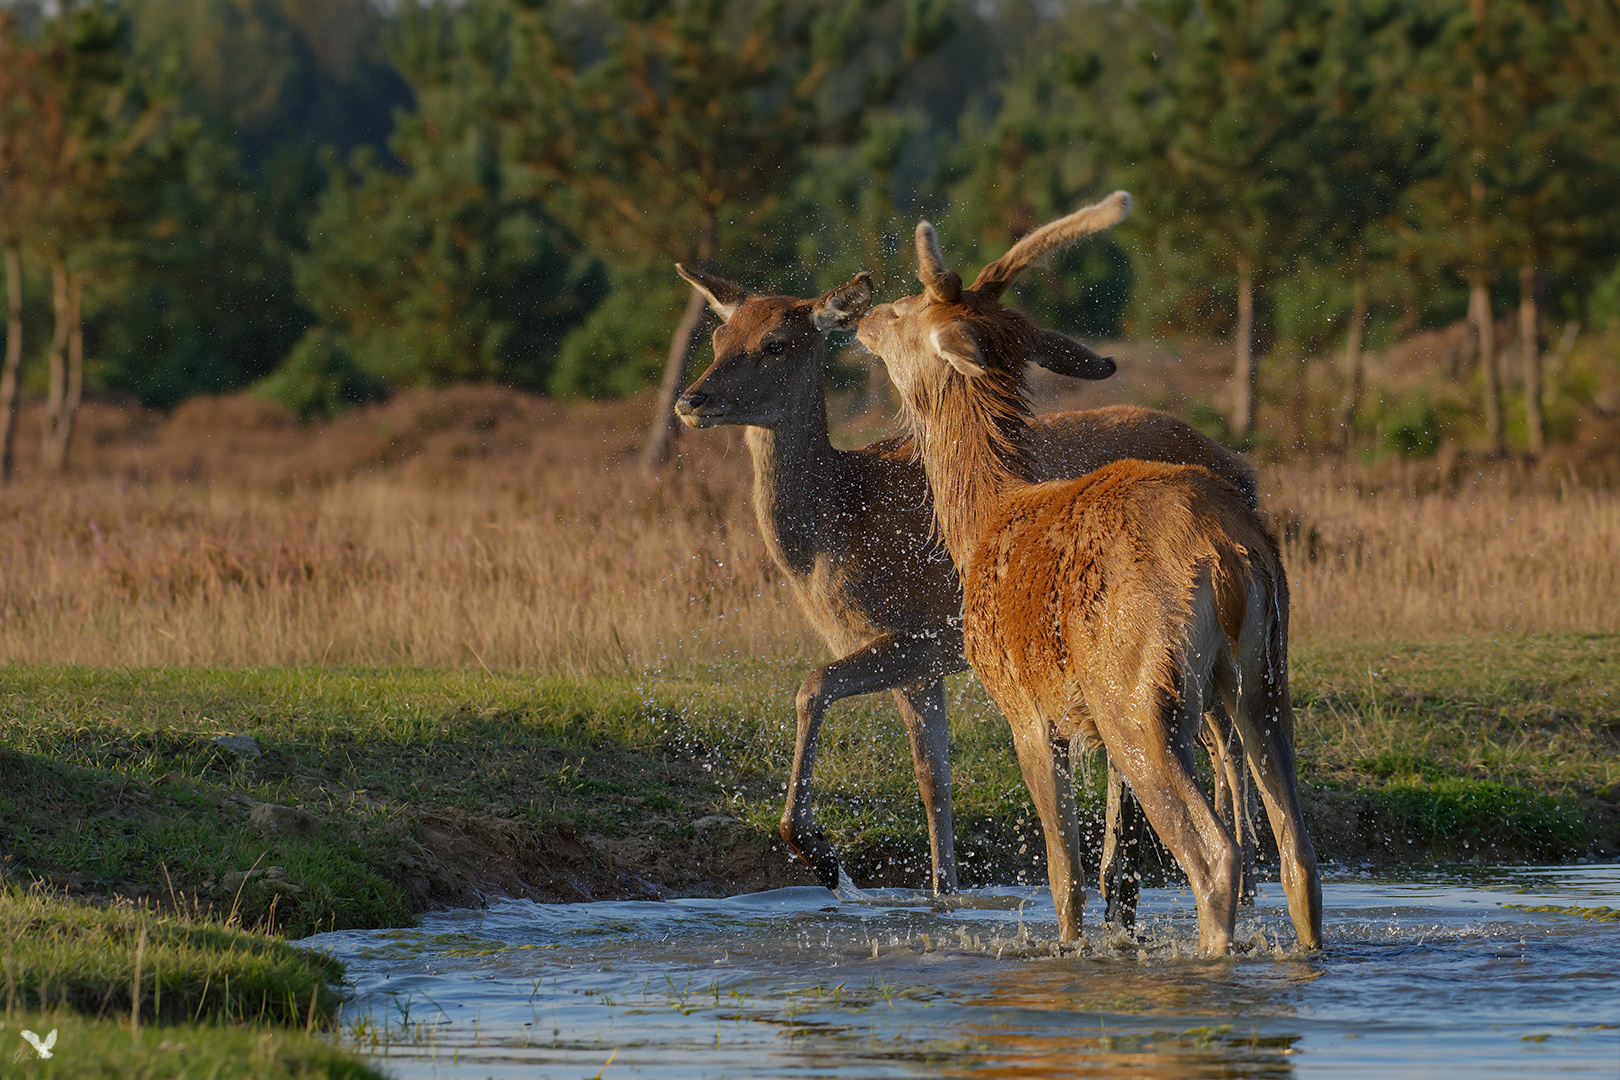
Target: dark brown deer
point(853, 532)
point(1110, 609)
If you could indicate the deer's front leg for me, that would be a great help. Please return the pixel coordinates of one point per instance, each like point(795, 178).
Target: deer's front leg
point(922, 707)
point(885, 663)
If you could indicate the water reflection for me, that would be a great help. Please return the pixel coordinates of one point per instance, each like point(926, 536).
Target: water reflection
point(1496, 972)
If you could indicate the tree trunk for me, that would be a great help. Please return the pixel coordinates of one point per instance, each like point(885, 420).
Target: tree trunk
point(1354, 374)
point(1247, 373)
point(1530, 349)
point(665, 427)
point(13, 361)
point(75, 368)
point(1479, 311)
point(1560, 354)
point(56, 396)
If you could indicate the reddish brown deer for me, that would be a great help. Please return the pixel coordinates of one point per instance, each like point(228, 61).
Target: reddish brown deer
point(1109, 609)
point(853, 531)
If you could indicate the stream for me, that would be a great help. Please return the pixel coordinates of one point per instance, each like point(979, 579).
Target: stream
point(1462, 971)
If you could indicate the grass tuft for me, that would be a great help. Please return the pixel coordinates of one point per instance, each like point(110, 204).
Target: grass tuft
point(149, 967)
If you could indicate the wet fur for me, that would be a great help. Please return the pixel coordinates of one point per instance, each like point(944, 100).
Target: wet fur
point(1113, 608)
point(853, 532)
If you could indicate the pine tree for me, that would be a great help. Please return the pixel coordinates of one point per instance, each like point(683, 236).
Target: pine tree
point(673, 131)
point(442, 264)
point(93, 119)
point(18, 127)
point(1490, 74)
point(1209, 134)
point(1371, 142)
point(1560, 168)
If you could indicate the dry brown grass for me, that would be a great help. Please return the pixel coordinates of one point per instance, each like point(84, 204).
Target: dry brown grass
point(478, 527)
point(1430, 552)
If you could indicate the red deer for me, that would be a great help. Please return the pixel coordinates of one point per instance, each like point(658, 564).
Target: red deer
point(852, 530)
point(1110, 609)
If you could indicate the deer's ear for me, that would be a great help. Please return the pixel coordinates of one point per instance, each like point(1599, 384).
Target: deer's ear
point(842, 308)
point(955, 344)
point(722, 295)
point(1057, 353)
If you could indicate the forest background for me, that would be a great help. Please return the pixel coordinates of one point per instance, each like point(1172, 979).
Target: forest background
point(329, 202)
point(365, 306)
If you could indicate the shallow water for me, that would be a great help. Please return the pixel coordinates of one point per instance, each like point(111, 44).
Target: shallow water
point(1448, 974)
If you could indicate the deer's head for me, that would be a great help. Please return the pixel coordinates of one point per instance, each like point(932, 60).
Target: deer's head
point(768, 351)
point(946, 328)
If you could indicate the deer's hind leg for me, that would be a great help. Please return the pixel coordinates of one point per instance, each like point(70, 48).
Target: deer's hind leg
point(1153, 745)
point(1119, 879)
point(1265, 719)
point(1234, 796)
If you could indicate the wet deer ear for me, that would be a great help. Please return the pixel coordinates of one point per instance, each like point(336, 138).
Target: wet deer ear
point(1034, 248)
point(940, 284)
point(723, 296)
point(842, 308)
point(955, 345)
point(1061, 354)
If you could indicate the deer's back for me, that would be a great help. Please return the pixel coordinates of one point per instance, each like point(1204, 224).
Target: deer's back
point(1094, 578)
point(1071, 444)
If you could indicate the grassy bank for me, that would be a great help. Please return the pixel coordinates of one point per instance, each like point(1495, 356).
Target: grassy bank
point(298, 678)
point(366, 796)
point(118, 991)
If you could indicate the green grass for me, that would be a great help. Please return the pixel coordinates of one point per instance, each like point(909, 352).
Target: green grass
point(1501, 749)
point(131, 992)
point(115, 785)
point(90, 1049)
point(111, 785)
point(1542, 712)
point(97, 959)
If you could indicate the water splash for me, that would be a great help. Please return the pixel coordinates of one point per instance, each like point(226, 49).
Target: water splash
point(1445, 973)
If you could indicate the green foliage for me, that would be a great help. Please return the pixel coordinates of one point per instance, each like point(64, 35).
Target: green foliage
point(1410, 428)
point(286, 78)
point(1084, 292)
point(1204, 416)
point(1211, 131)
point(446, 265)
point(1513, 90)
point(620, 346)
point(1604, 302)
point(544, 154)
point(681, 132)
point(435, 275)
point(320, 378)
point(183, 327)
point(1489, 815)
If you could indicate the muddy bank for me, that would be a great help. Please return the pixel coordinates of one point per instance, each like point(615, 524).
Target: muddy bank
point(461, 860)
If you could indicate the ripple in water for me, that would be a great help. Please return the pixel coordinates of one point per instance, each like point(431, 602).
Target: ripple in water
point(1469, 973)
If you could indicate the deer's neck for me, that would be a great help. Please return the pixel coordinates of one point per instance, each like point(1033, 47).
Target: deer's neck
point(975, 450)
point(794, 467)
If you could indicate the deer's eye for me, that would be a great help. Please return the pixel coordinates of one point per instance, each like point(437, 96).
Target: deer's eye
point(776, 348)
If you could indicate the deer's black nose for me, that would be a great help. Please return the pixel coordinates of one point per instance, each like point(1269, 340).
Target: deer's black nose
point(693, 399)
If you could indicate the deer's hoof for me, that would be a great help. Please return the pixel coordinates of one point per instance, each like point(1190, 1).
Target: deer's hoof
point(814, 851)
point(826, 867)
